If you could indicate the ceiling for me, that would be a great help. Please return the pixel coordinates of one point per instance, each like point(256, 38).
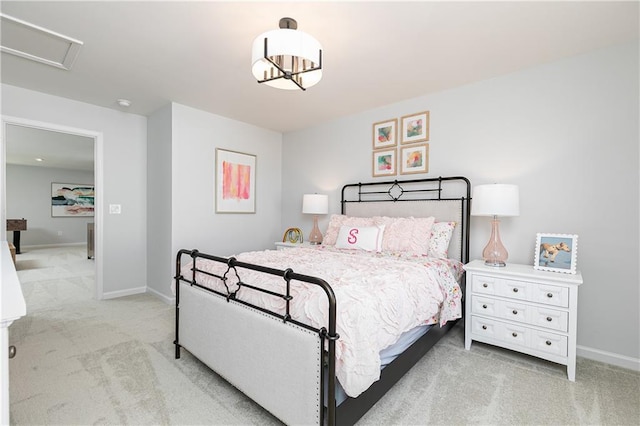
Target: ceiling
point(198, 53)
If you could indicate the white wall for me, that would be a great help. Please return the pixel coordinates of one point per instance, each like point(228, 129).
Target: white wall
point(29, 196)
point(124, 177)
point(566, 133)
point(160, 258)
point(194, 224)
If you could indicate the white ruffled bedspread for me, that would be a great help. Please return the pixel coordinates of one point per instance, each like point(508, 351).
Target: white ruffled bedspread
point(379, 297)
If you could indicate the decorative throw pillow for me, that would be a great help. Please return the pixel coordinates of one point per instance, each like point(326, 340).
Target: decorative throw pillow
point(406, 234)
point(367, 238)
point(337, 221)
point(440, 237)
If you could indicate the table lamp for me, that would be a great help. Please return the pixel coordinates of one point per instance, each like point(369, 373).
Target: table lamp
point(315, 204)
point(495, 200)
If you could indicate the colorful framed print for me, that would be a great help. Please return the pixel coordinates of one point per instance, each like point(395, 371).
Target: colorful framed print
point(385, 133)
point(556, 252)
point(384, 162)
point(72, 200)
point(235, 182)
point(414, 159)
point(415, 127)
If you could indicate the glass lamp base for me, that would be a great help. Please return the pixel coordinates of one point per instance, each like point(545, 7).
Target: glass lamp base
point(315, 237)
point(495, 254)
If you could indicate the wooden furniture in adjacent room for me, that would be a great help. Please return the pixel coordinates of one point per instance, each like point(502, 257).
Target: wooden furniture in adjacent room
point(16, 225)
point(523, 309)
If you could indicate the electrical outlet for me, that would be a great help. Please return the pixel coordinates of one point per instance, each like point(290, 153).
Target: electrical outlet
point(115, 209)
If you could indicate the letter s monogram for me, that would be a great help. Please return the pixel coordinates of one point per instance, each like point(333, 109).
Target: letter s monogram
point(353, 238)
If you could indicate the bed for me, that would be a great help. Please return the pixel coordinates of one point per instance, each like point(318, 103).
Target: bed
point(317, 335)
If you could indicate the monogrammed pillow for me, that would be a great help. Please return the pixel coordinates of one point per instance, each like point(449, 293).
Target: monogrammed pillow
point(367, 238)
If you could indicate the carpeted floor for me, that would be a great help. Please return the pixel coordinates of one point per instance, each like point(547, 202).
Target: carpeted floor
point(81, 361)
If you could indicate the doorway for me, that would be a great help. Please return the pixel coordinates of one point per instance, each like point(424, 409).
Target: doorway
point(61, 137)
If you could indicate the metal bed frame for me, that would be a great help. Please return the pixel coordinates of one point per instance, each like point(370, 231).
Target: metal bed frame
point(351, 409)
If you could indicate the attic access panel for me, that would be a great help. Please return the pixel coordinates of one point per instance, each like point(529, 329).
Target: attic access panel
point(29, 41)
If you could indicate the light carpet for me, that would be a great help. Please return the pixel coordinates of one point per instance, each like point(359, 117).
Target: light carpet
point(81, 361)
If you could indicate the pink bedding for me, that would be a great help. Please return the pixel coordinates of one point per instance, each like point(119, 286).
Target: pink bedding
point(379, 297)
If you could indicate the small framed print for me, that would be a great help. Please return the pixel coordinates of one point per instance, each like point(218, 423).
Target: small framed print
point(384, 134)
point(556, 252)
point(235, 182)
point(415, 127)
point(384, 162)
point(414, 159)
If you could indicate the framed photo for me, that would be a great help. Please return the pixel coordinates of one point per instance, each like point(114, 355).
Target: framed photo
point(72, 199)
point(415, 128)
point(385, 133)
point(556, 252)
point(384, 162)
point(414, 159)
point(235, 182)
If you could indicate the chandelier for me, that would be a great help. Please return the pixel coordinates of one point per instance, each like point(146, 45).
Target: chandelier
point(287, 58)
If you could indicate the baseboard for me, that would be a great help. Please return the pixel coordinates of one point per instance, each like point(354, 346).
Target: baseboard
point(39, 246)
point(164, 298)
point(122, 293)
point(609, 358)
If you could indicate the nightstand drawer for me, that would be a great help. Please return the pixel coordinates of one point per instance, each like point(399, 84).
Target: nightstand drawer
point(550, 318)
point(551, 295)
point(485, 327)
point(550, 343)
point(485, 306)
point(484, 285)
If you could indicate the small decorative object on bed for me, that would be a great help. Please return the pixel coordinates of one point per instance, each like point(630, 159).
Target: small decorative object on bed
point(336, 327)
point(556, 253)
point(72, 200)
point(235, 182)
point(384, 162)
point(384, 134)
point(414, 159)
point(415, 127)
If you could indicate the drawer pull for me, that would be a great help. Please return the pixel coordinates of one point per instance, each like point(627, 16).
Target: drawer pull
point(484, 306)
point(515, 290)
point(549, 295)
point(485, 285)
point(484, 327)
point(514, 334)
point(515, 312)
point(549, 319)
point(548, 342)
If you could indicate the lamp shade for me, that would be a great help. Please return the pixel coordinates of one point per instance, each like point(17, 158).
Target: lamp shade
point(315, 204)
point(495, 200)
point(295, 52)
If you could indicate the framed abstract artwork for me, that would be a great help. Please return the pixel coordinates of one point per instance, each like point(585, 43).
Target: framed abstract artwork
point(72, 199)
point(384, 134)
point(414, 159)
point(556, 253)
point(384, 162)
point(235, 182)
point(415, 127)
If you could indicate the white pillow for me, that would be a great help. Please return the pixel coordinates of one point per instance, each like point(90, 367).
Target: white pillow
point(441, 233)
point(367, 238)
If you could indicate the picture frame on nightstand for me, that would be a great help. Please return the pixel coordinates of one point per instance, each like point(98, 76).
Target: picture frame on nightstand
point(556, 253)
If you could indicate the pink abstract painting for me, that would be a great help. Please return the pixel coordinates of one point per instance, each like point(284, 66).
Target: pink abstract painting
point(236, 181)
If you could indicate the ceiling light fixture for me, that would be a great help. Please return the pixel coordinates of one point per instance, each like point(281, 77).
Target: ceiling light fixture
point(287, 58)
point(124, 102)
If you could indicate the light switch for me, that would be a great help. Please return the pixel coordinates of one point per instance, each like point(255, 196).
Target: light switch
point(114, 209)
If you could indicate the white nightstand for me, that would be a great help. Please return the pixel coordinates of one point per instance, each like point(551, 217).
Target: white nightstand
point(284, 245)
point(523, 309)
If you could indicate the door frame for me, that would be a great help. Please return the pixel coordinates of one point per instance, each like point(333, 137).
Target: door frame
point(98, 172)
